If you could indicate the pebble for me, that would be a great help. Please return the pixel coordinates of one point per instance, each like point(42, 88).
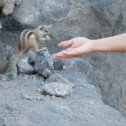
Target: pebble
point(58, 89)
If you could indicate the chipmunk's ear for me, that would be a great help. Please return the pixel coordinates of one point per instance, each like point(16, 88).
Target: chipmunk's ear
point(40, 27)
point(43, 27)
point(48, 26)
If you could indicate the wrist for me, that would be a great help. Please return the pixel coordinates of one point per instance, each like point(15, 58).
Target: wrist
point(97, 45)
point(93, 45)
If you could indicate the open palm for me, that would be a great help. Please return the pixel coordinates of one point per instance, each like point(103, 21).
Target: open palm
point(74, 47)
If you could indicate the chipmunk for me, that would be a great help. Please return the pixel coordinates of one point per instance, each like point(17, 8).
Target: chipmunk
point(29, 39)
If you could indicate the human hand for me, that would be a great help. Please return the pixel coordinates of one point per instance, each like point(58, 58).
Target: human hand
point(74, 48)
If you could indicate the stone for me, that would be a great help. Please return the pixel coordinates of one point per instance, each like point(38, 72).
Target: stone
point(83, 107)
point(41, 11)
point(58, 78)
point(8, 6)
point(79, 65)
point(2, 122)
point(0, 25)
point(59, 65)
point(24, 66)
point(110, 77)
point(43, 63)
point(32, 97)
point(58, 89)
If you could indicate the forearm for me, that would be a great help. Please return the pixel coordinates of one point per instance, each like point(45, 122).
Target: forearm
point(110, 44)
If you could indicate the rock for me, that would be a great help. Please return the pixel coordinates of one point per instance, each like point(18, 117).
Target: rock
point(79, 65)
point(58, 89)
point(58, 78)
point(110, 77)
point(41, 11)
point(42, 63)
point(24, 66)
point(59, 65)
point(83, 107)
point(2, 122)
point(1, 76)
point(8, 6)
point(31, 82)
point(0, 25)
point(32, 97)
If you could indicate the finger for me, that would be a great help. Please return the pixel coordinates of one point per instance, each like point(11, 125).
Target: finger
point(59, 55)
point(72, 52)
point(69, 53)
point(65, 44)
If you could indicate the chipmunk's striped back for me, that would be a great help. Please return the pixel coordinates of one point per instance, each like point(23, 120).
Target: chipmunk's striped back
point(23, 40)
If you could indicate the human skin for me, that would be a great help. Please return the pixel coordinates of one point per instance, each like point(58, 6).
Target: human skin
point(80, 46)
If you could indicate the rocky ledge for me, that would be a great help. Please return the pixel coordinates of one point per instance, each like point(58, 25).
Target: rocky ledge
point(65, 98)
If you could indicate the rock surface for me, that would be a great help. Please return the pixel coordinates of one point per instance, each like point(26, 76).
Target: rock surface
point(21, 103)
point(69, 18)
point(42, 63)
point(58, 78)
point(2, 122)
point(59, 65)
point(24, 66)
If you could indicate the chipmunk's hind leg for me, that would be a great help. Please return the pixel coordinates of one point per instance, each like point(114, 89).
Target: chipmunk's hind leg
point(11, 72)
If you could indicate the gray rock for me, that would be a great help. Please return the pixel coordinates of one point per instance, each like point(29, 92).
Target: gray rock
point(32, 97)
point(58, 78)
point(110, 78)
point(59, 65)
point(58, 89)
point(29, 81)
point(0, 25)
point(2, 122)
point(24, 66)
point(42, 63)
point(79, 65)
point(41, 11)
point(82, 107)
point(8, 6)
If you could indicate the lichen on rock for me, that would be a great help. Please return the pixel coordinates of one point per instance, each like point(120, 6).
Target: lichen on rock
point(8, 6)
